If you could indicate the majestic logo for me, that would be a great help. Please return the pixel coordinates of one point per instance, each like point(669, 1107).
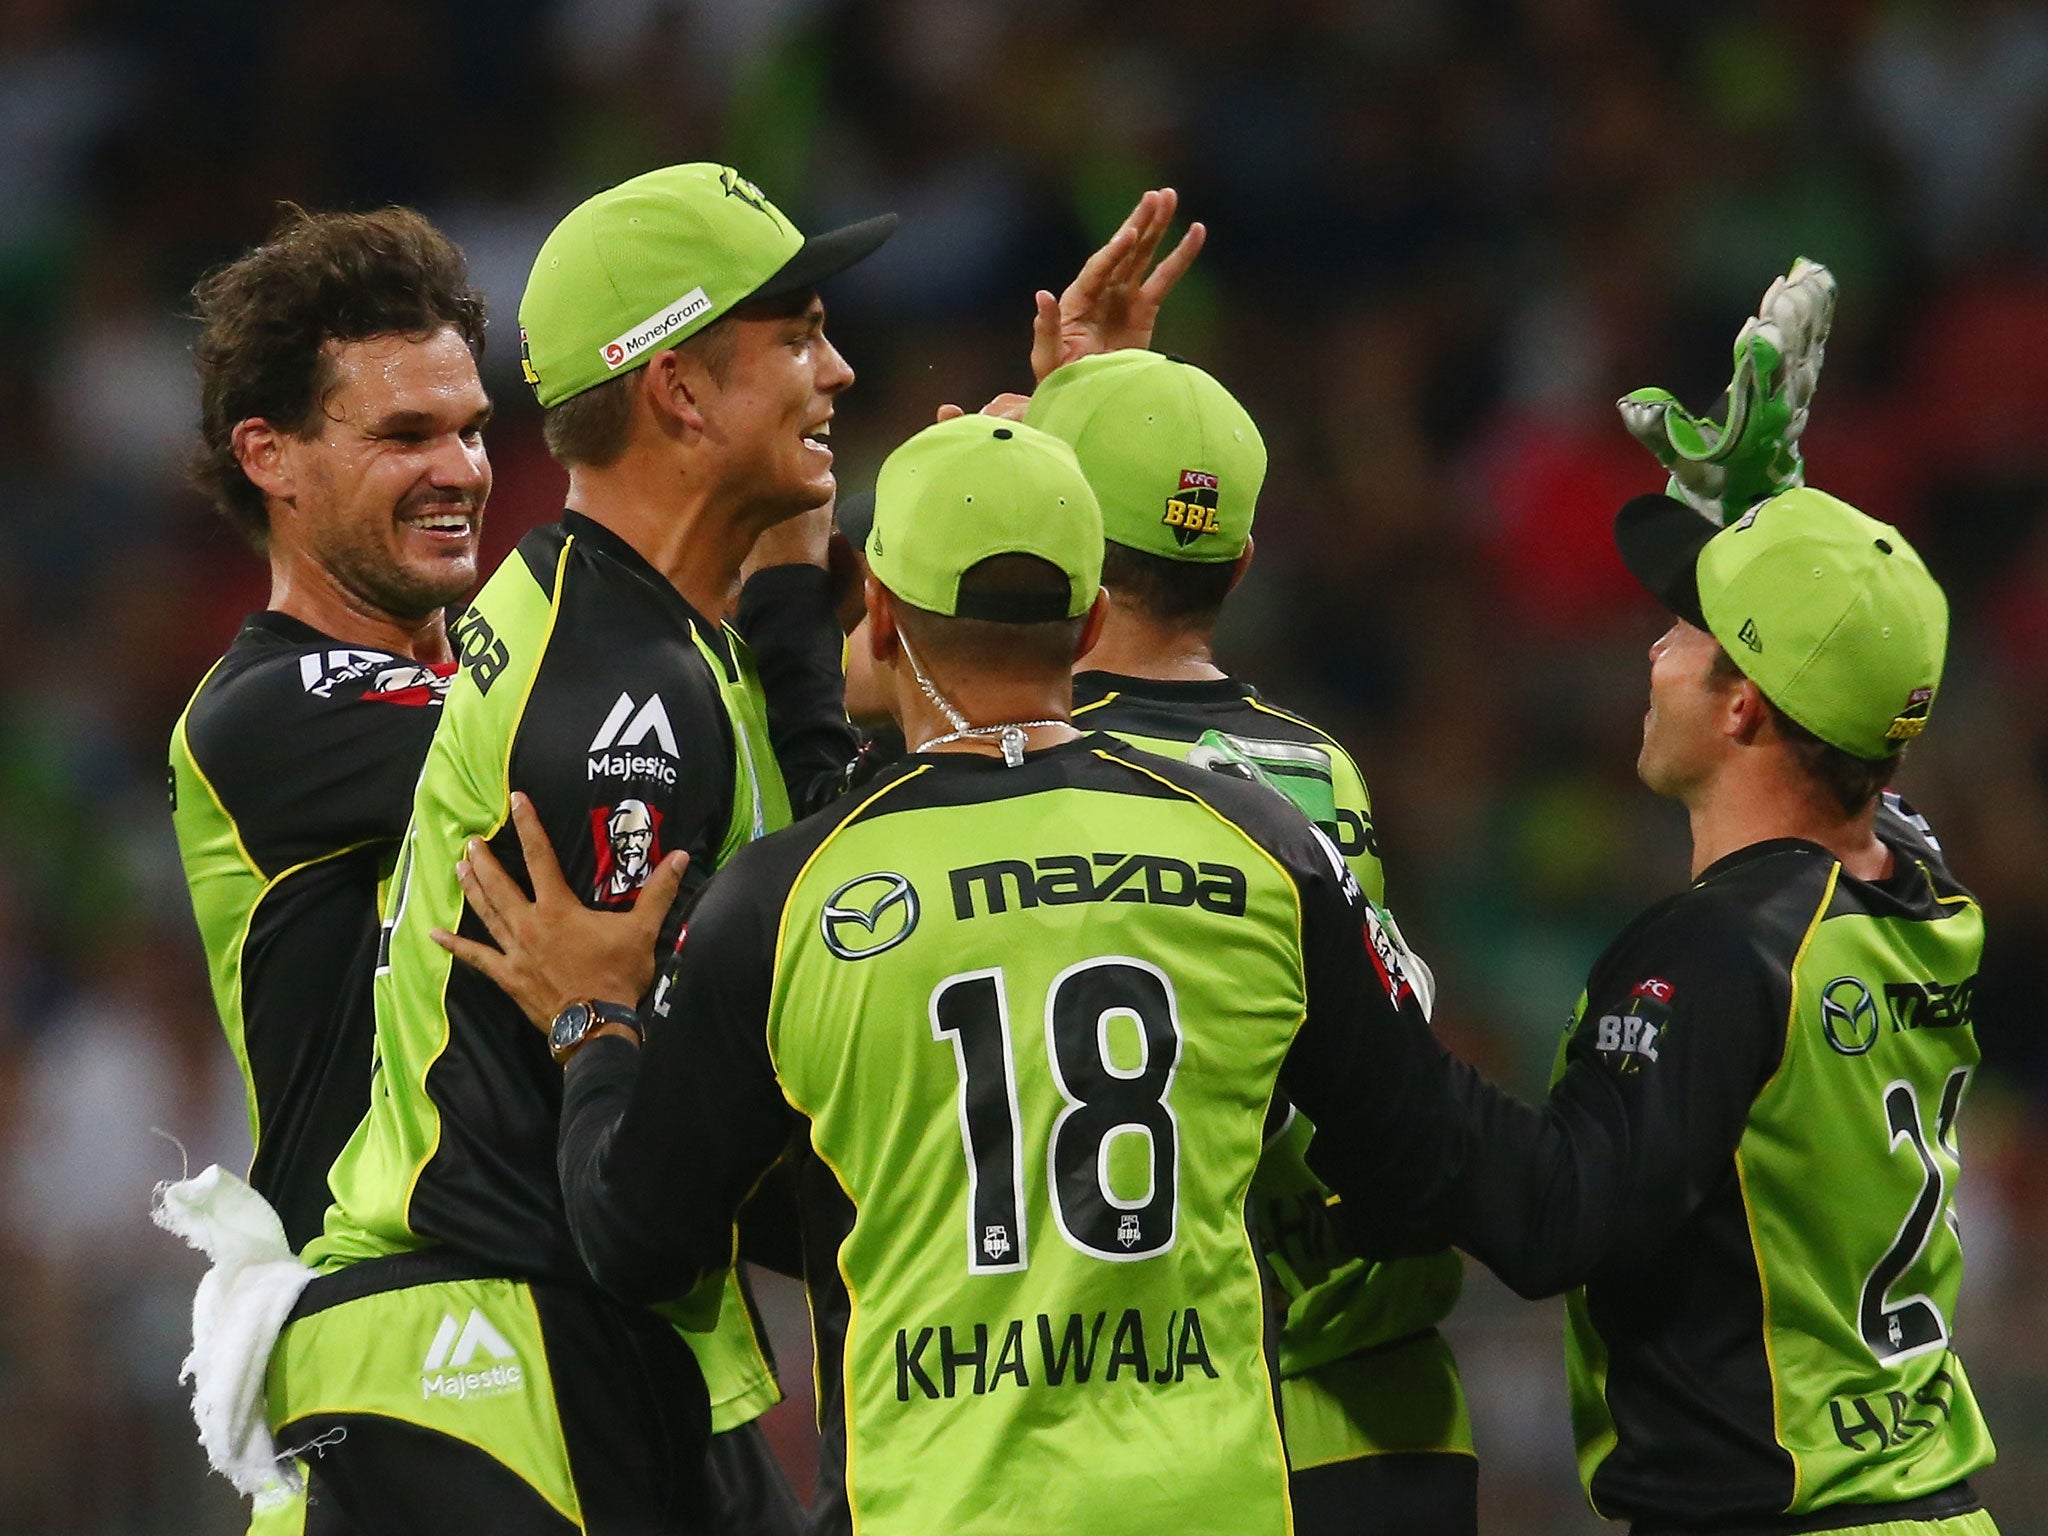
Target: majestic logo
point(321, 672)
point(1191, 510)
point(649, 333)
point(627, 837)
point(630, 726)
point(1748, 636)
point(1848, 1015)
point(1912, 720)
point(867, 916)
point(1066, 878)
point(446, 1372)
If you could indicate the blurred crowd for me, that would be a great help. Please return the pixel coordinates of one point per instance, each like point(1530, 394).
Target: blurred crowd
point(1445, 235)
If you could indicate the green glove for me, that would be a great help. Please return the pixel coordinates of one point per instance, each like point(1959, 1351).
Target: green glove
point(1722, 469)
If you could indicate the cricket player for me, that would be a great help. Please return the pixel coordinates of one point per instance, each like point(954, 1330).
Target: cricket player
point(1028, 997)
point(342, 436)
point(673, 334)
point(1745, 1174)
point(1378, 1437)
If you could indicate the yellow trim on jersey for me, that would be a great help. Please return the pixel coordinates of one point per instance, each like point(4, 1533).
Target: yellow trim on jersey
point(1107, 698)
point(184, 742)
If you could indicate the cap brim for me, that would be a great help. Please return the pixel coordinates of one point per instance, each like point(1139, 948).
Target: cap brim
point(821, 256)
point(1660, 540)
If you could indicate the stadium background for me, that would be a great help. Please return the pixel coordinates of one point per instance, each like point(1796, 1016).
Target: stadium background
point(1444, 237)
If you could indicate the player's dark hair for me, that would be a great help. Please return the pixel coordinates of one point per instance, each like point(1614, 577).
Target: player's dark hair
point(1853, 781)
point(266, 317)
point(592, 428)
point(992, 645)
point(1188, 592)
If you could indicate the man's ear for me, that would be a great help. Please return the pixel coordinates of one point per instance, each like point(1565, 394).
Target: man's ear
point(1091, 627)
point(674, 386)
point(1744, 713)
point(882, 640)
point(264, 454)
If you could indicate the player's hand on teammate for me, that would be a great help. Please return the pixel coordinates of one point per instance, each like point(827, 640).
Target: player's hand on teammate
point(552, 950)
point(1723, 469)
point(1114, 301)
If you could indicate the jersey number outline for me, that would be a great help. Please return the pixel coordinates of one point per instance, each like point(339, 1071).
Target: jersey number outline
point(1103, 1102)
point(1899, 1330)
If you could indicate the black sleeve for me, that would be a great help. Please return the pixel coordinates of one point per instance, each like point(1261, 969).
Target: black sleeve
point(1681, 1028)
point(786, 618)
point(661, 1145)
point(1367, 1071)
point(307, 761)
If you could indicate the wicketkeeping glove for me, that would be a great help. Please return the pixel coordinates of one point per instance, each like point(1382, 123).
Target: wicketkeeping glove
point(1722, 469)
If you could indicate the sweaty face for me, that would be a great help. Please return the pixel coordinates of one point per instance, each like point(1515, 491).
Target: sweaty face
point(1682, 739)
point(389, 494)
point(771, 414)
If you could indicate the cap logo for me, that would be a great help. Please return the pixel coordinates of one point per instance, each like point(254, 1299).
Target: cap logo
point(738, 186)
point(649, 332)
point(1191, 510)
point(1911, 720)
point(1749, 637)
point(526, 370)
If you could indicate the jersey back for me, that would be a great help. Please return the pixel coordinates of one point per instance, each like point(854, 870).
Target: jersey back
point(1073, 1004)
point(1336, 1305)
point(1833, 1257)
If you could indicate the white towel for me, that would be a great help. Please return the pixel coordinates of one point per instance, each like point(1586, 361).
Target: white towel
point(237, 1313)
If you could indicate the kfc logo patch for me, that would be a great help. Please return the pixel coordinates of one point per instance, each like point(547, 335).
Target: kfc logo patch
point(627, 839)
point(1191, 510)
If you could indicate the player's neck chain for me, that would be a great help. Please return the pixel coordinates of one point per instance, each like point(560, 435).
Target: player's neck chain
point(1009, 733)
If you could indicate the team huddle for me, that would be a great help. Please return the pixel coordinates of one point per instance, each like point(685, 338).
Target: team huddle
point(939, 924)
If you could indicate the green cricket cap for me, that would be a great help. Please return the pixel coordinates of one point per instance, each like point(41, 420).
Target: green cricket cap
point(652, 261)
point(1174, 459)
point(978, 486)
point(1828, 611)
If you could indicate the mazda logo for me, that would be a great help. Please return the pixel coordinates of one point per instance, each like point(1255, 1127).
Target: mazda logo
point(1848, 1015)
point(868, 915)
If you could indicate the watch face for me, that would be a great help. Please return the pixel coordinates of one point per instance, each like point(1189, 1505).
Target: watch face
point(570, 1026)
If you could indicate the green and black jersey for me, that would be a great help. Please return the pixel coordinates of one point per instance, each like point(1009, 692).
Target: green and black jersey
point(1337, 1305)
point(1746, 1175)
point(291, 777)
point(636, 727)
point(1031, 1021)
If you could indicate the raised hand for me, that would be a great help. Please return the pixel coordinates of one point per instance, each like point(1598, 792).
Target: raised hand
point(1114, 302)
point(1722, 469)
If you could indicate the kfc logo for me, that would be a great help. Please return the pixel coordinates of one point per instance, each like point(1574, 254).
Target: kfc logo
point(627, 837)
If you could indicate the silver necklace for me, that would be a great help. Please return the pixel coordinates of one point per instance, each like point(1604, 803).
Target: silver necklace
point(1009, 733)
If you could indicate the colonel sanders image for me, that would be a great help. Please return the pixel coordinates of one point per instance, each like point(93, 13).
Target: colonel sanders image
point(629, 833)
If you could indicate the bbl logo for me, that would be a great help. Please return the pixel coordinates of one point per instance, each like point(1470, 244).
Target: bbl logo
point(1191, 510)
point(1912, 720)
point(868, 915)
point(1848, 1015)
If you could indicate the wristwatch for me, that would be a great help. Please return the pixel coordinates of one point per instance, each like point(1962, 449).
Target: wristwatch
point(575, 1023)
